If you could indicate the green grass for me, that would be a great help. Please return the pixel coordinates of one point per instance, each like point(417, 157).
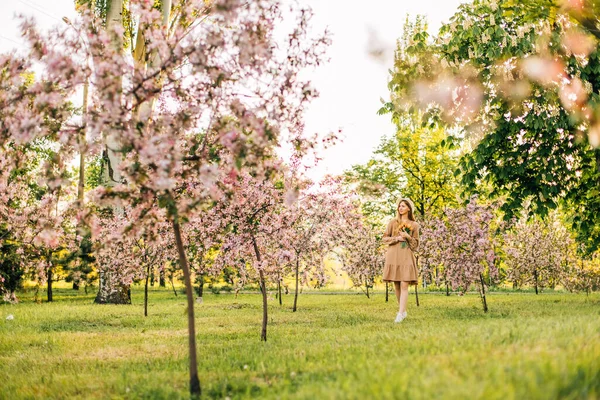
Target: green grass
point(346, 347)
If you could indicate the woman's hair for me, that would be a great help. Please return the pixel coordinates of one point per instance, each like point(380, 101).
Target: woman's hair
point(410, 205)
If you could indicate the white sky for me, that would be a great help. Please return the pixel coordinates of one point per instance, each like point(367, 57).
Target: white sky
point(351, 84)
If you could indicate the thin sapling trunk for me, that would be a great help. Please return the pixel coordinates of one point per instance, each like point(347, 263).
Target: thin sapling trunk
point(279, 290)
point(482, 292)
point(296, 293)
point(387, 291)
point(263, 288)
point(417, 284)
point(447, 287)
point(49, 276)
point(146, 291)
point(173, 286)
point(201, 286)
point(195, 390)
point(417, 293)
point(49, 286)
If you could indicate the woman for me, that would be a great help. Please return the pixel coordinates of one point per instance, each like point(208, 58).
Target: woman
point(402, 238)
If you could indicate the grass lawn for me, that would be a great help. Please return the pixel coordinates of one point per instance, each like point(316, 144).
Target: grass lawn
point(334, 347)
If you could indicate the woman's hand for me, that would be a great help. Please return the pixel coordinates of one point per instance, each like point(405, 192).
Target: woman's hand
point(404, 236)
point(391, 240)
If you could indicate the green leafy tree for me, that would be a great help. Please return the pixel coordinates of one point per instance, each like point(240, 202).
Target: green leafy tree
point(11, 267)
point(418, 161)
point(521, 80)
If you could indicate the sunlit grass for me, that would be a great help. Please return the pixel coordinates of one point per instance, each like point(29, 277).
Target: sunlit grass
point(335, 346)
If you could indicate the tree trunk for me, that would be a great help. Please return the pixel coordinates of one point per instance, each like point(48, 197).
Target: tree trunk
point(146, 292)
point(482, 292)
point(296, 293)
point(161, 278)
point(144, 61)
point(195, 390)
point(114, 17)
point(201, 286)
point(49, 285)
point(263, 333)
point(279, 290)
point(447, 290)
point(114, 21)
point(387, 291)
point(367, 292)
point(173, 286)
point(112, 291)
point(535, 279)
point(417, 294)
point(82, 140)
point(263, 287)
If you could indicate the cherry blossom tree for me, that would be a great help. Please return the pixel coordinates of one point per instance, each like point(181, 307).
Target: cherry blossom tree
point(33, 182)
point(530, 254)
point(583, 275)
point(538, 252)
point(113, 238)
point(431, 231)
point(34, 219)
point(361, 253)
point(315, 229)
point(13, 221)
point(153, 250)
point(203, 236)
point(464, 247)
point(255, 223)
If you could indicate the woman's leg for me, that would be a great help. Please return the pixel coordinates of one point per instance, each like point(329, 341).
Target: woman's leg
point(403, 296)
point(397, 290)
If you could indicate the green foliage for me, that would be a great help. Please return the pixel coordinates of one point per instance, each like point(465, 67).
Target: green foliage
point(333, 347)
point(414, 54)
point(526, 148)
point(418, 162)
point(79, 267)
point(11, 267)
point(535, 154)
point(93, 172)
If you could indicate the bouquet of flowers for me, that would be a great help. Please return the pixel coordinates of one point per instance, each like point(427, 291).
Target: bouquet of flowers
point(403, 227)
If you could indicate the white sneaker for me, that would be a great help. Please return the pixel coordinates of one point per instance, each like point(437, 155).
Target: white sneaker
point(400, 317)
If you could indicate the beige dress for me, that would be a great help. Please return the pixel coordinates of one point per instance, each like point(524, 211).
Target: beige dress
point(400, 262)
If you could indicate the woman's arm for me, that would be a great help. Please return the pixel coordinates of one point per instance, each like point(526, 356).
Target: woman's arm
point(413, 240)
point(387, 235)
